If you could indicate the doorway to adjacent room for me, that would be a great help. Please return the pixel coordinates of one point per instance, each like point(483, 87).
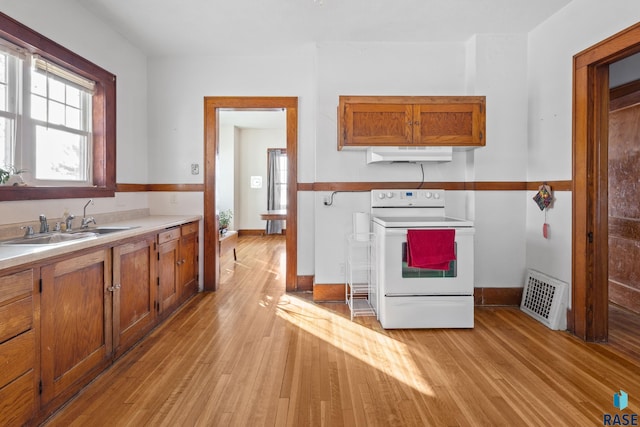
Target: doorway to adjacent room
point(213, 107)
point(589, 316)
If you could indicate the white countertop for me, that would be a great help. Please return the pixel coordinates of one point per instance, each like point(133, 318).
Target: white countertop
point(15, 255)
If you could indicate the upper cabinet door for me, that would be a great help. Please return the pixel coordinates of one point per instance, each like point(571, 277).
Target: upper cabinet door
point(367, 124)
point(458, 122)
point(366, 121)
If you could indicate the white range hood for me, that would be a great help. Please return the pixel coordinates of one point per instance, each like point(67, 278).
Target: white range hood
point(409, 154)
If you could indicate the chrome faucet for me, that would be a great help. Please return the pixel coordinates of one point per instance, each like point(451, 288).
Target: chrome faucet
point(28, 230)
point(69, 221)
point(85, 219)
point(44, 227)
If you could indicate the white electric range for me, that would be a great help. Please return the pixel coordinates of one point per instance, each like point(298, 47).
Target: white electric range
point(409, 297)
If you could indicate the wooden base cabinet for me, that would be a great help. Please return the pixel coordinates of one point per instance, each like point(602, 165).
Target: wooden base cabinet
point(65, 320)
point(18, 356)
point(177, 266)
point(368, 121)
point(76, 339)
point(134, 292)
point(188, 261)
point(168, 270)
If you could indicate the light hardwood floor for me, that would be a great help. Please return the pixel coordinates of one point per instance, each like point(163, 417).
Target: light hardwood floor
point(252, 355)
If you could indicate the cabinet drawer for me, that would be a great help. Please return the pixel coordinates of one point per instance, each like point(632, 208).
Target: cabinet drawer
point(169, 235)
point(16, 318)
point(16, 357)
point(17, 401)
point(15, 285)
point(190, 228)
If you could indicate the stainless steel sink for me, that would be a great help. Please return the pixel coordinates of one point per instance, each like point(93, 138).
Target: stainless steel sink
point(107, 229)
point(49, 239)
point(58, 238)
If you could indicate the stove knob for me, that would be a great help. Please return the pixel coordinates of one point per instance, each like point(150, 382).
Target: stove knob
point(390, 195)
point(436, 195)
point(381, 196)
point(427, 194)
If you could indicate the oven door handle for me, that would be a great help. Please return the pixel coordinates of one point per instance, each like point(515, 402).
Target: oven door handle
point(403, 231)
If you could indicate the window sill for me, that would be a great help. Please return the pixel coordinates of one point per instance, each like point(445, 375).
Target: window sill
point(9, 193)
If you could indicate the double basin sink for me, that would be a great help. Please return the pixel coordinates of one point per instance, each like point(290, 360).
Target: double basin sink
point(64, 237)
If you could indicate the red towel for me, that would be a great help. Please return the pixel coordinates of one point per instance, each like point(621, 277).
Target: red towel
point(432, 249)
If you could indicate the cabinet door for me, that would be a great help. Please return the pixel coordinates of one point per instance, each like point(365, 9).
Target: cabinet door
point(189, 261)
point(371, 124)
point(76, 322)
point(450, 122)
point(168, 275)
point(134, 292)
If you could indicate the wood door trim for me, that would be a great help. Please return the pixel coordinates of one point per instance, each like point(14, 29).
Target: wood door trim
point(588, 318)
point(211, 260)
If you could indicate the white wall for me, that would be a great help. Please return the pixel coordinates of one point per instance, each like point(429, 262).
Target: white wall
point(552, 45)
point(253, 162)
point(72, 26)
point(500, 73)
point(318, 75)
point(527, 81)
point(177, 87)
point(225, 172)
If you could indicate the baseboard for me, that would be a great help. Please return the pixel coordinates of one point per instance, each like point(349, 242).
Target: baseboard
point(258, 232)
point(497, 296)
point(305, 283)
point(326, 292)
point(246, 232)
point(482, 296)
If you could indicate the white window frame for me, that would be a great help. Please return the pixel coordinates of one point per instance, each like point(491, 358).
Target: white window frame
point(68, 78)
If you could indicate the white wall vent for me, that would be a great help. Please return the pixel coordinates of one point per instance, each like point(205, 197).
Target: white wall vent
point(544, 299)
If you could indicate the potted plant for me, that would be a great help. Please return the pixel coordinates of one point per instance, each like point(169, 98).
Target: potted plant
point(11, 176)
point(224, 219)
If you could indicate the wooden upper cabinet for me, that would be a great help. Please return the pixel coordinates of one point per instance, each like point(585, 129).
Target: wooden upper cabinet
point(366, 121)
point(377, 124)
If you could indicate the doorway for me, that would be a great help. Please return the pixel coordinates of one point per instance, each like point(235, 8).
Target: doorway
point(588, 318)
point(213, 106)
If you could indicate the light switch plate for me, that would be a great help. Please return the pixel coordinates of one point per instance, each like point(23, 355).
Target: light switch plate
point(256, 182)
point(195, 169)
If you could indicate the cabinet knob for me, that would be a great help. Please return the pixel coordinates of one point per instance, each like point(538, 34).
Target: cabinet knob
point(113, 288)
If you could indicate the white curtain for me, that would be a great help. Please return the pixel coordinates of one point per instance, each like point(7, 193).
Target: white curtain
point(276, 187)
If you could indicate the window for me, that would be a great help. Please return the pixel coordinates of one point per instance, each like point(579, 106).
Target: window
point(57, 120)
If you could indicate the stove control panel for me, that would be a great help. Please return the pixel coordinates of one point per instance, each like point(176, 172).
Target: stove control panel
point(407, 198)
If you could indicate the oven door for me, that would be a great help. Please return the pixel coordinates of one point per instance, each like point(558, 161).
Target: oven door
point(397, 279)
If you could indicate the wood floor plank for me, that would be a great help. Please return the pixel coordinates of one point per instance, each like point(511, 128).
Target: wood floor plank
point(252, 355)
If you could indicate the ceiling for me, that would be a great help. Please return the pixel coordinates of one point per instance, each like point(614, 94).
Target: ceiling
point(224, 27)
point(218, 27)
